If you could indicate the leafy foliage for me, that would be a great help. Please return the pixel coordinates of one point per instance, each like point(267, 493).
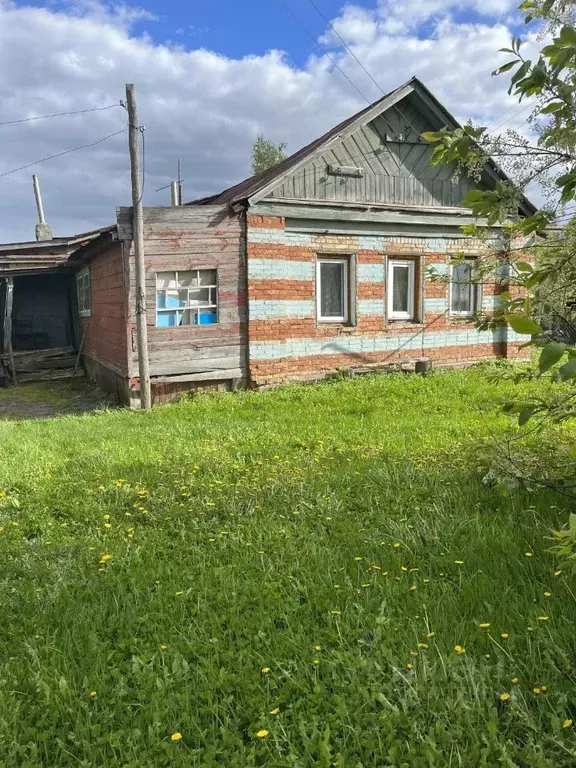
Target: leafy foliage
point(535, 263)
point(266, 154)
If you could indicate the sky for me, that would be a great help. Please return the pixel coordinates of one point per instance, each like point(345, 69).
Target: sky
point(210, 76)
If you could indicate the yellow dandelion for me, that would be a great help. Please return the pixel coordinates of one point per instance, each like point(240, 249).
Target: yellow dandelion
point(357, 559)
point(484, 625)
point(384, 573)
point(536, 691)
point(529, 554)
point(275, 711)
point(424, 646)
point(547, 594)
point(265, 670)
point(403, 568)
point(431, 635)
point(176, 736)
point(396, 546)
point(567, 724)
point(92, 694)
point(107, 525)
point(515, 680)
point(163, 647)
point(543, 688)
point(335, 613)
point(557, 573)
point(364, 585)
point(105, 517)
point(413, 588)
point(336, 586)
point(262, 733)
point(504, 696)
point(459, 562)
point(105, 558)
point(317, 647)
point(376, 567)
point(316, 662)
point(542, 618)
point(459, 649)
point(504, 635)
point(409, 666)
point(180, 592)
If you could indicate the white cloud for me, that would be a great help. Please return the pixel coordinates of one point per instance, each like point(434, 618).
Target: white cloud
point(199, 105)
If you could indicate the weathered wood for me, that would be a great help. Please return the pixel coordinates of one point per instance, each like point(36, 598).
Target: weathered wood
point(42, 354)
point(9, 304)
point(183, 238)
point(51, 375)
point(33, 364)
point(235, 374)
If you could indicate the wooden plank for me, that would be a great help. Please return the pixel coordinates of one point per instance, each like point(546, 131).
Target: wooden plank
point(172, 367)
point(42, 354)
point(8, 326)
point(233, 373)
point(31, 364)
point(53, 375)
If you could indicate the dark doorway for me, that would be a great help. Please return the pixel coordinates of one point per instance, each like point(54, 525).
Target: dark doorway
point(41, 313)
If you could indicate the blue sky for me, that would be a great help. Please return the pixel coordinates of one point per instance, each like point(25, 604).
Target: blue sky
point(210, 76)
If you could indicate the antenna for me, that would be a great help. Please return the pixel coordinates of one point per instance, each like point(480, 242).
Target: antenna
point(43, 230)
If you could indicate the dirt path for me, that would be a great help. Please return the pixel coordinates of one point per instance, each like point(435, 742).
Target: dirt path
point(46, 400)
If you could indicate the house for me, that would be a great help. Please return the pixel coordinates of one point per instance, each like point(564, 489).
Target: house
point(313, 266)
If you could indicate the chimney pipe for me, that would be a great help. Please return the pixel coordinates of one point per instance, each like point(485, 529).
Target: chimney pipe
point(175, 193)
point(43, 230)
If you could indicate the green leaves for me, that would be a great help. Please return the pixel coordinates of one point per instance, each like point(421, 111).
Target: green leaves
point(504, 67)
point(522, 324)
point(433, 136)
point(568, 370)
point(550, 355)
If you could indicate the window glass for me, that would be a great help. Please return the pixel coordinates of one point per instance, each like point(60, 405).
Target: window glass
point(462, 289)
point(181, 301)
point(332, 289)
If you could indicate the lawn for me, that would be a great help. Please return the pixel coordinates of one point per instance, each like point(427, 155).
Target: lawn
point(312, 576)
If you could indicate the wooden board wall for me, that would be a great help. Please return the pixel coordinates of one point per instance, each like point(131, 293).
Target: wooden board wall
point(183, 238)
point(395, 161)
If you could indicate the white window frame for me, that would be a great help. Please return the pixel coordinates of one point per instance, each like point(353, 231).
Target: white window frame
point(473, 290)
point(212, 305)
point(345, 260)
point(84, 292)
point(410, 265)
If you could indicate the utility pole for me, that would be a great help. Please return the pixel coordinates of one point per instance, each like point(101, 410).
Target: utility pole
point(138, 237)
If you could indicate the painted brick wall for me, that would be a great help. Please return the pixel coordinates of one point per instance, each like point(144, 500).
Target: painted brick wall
point(286, 340)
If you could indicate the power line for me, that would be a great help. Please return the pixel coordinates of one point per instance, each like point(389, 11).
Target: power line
point(324, 51)
point(512, 117)
point(345, 44)
point(60, 114)
point(61, 154)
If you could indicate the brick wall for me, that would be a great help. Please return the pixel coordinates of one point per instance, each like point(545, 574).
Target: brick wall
point(106, 334)
point(286, 339)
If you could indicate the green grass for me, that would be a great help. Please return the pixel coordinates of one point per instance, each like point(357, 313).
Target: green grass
point(246, 530)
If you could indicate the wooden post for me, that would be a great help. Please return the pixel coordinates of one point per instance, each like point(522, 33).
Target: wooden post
point(138, 236)
point(8, 326)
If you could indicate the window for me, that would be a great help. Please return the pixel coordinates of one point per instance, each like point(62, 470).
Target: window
point(186, 298)
point(401, 290)
point(462, 289)
point(84, 292)
point(333, 290)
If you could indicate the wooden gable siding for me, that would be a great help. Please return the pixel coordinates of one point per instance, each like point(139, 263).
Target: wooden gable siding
point(186, 238)
point(395, 172)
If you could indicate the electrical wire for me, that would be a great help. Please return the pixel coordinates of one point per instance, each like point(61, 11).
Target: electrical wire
point(324, 51)
point(59, 114)
point(143, 134)
point(360, 64)
point(61, 154)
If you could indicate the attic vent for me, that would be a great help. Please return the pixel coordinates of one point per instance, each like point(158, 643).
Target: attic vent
point(346, 170)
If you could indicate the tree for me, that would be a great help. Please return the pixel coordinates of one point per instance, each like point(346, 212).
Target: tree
point(541, 289)
point(266, 154)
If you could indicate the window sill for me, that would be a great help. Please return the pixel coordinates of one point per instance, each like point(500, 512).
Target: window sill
point(85, 313)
